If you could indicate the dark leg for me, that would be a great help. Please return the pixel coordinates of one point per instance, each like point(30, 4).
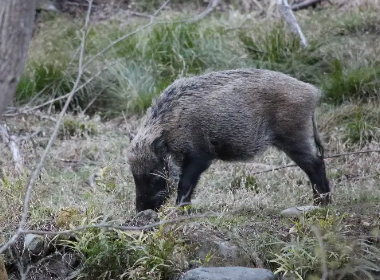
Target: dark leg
point(303, 154)
point(192, 169)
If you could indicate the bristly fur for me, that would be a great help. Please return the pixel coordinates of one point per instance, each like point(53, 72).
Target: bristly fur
point(231, 115)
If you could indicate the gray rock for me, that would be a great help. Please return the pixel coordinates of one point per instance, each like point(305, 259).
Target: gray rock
point(55, 266)
point(144, 218)
point(35, 244)
point(228, 273)
point(205, 241)
point(298, 211)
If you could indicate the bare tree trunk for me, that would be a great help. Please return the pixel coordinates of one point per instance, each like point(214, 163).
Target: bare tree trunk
point(16, 28)
point(287, 14)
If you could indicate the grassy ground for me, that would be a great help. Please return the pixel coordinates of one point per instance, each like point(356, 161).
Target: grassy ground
point(343, 59)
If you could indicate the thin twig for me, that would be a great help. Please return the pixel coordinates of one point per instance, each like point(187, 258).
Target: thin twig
point(256, 172)
point(140, 15)
point(331, 156)
point(353, 153)
point(273, 169)
point(39, 166)
point(125, 228)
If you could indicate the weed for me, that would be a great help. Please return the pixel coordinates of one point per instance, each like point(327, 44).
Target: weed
point(243, 181)
point(130, 255)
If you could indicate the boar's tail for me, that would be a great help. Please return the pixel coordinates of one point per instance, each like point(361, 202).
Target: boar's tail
point(317, 139)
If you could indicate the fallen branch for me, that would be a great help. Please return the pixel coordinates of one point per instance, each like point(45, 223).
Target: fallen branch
point(286, 12)
point(13, 142)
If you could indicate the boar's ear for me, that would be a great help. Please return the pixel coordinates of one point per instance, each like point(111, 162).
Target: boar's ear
point(159, 144)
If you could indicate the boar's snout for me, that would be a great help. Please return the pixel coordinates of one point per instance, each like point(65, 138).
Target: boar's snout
point(151, 192)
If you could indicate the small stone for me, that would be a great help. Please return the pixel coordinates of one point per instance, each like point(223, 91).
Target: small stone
point(228, 273)
point(297, 211)
point(144, 218)
point(366, 224)
point(55, 266)
point(147, 214)
point(34, 243)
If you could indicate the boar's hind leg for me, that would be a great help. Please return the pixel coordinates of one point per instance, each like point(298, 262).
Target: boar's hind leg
point(303, 154)
point(192, 169)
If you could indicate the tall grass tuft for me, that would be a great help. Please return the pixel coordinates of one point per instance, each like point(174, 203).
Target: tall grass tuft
point(279, 50)
point(352, 83)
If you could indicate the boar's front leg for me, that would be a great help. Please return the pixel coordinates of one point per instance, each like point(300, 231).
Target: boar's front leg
point(192, 168)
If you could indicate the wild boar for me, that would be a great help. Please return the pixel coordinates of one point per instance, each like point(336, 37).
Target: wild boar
point(230, 115)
